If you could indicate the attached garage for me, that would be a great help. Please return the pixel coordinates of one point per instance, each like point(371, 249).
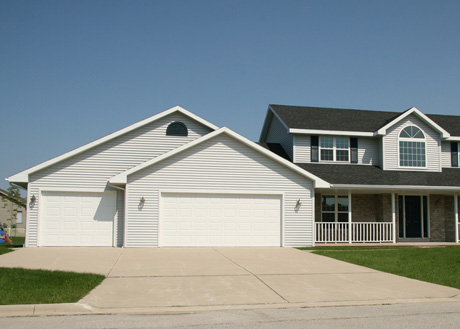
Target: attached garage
point(77, 219)
point(220, 220)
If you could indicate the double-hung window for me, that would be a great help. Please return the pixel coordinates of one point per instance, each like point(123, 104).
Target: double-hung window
point(334, 208)
point(412, 151)
point(334, 148)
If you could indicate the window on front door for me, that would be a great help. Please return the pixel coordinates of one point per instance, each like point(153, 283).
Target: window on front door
point(334, 208)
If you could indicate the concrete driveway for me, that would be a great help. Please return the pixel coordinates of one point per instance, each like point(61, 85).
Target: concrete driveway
point(197, 278)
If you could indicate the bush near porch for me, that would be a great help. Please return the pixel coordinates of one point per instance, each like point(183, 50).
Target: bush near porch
point(440, 265)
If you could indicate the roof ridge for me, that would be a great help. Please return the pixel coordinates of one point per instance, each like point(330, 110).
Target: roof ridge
point(335, 108)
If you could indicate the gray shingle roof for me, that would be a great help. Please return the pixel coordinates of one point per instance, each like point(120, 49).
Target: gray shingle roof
point(303, 117)
point(370, 175)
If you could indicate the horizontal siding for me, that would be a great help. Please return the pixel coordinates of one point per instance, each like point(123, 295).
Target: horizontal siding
point(368, 150)
point(221, 164)
point(433, 145)
point(446, 155)
point(302, 148)
point(92, 168)
point(277, 133)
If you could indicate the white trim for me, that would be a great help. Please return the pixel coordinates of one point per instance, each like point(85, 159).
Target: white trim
point(393, 215)
point(394, 187)
point(414, 140)
point(414, 110)
point(453, 139)
point(350, 219)
point(75, 190)
point(222, 192)
point(23, 176)
point(313, 214)
point(331, 132)
point(123, 177)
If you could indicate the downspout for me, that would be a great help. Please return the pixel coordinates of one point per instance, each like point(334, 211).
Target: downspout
point(124, 214)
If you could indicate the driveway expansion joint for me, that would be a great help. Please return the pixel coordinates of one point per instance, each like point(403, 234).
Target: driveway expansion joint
point(253, 274)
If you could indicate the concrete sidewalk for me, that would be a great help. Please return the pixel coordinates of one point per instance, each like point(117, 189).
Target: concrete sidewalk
point(172, 280)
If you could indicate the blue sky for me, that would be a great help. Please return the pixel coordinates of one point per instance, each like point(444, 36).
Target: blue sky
point(74, 71)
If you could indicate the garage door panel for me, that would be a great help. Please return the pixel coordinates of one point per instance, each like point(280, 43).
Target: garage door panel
point(220, 220)
point(77, 219)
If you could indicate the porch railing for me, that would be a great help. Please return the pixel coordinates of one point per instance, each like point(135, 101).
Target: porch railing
point(360, 232)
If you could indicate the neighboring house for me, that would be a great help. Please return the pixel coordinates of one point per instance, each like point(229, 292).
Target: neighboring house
point(175, 179)
point(393, 176)
point(13, 213)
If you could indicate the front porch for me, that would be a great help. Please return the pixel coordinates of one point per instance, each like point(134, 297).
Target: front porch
point(386, 218)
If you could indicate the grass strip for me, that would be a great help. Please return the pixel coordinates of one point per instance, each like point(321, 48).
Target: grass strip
point(435, 265)
point(23, 286)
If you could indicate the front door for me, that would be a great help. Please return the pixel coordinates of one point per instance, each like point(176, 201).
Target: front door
point(413, 217)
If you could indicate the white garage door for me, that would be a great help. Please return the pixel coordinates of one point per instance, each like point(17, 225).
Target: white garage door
point(77, 219)
point(220, 220)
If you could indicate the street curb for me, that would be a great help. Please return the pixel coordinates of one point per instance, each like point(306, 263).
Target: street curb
point(83, 309)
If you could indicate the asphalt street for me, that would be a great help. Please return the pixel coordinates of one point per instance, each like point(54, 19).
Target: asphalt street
point(420, 316)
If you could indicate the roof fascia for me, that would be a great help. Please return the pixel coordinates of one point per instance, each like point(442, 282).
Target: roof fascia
point(453, 139)
point(394, 187)
point(123, 177)
point(331, 132)
point(23, 176)
point(413, 110)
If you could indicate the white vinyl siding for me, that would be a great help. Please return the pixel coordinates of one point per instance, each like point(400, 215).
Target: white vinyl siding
point(220, 165)
point(368, 150)
point(446, 154)
point(432, 146)
point(92, 168)
point(278, 133)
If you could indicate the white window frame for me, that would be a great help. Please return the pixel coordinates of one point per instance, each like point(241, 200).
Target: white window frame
point(411, 139)
point(334, 149)
point(336, 210)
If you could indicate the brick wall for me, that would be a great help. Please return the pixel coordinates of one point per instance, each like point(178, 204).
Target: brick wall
point(442, 218)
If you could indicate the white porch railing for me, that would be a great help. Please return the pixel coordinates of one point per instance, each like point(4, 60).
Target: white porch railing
point(360, 232)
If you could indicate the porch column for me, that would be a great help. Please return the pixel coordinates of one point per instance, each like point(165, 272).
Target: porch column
point(349, 218)
point(457, 237)
point(393, 215)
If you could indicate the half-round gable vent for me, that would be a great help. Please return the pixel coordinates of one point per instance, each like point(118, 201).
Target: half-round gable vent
point(177, 129)
point(411, 132)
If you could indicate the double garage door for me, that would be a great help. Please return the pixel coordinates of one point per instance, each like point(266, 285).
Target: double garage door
point(220, 220)
point(77, 219)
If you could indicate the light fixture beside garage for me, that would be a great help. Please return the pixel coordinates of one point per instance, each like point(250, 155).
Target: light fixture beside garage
point(33, 199)
point(297, 205)
point(141, 203)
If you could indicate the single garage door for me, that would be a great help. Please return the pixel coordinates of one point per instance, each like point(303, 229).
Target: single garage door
point(77, 219)
point(220, 220)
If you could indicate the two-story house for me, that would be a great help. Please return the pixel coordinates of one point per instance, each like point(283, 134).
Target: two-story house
point(320, 175)
point(393, 176)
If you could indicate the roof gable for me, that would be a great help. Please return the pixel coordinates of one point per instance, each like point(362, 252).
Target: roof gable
point(123, 177)
point(415, 111)
point(23, 177)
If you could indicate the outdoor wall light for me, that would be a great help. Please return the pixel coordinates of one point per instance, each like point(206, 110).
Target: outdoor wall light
point(297, 205)
point(142, 201)
point(33, 199)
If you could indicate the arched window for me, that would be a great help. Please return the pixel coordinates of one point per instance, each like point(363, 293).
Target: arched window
point(412, 147)
point(177, 129)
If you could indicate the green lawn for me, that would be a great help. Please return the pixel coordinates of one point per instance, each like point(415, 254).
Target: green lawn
point(17, 243)
point(439, 265)
point(21, 286)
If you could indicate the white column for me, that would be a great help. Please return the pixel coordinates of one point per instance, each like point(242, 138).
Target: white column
point(393, 216)
point(457, 237)
point(349, 218)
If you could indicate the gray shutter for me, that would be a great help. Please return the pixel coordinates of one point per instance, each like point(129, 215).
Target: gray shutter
point(454, 153)
point(314, 148)
point(354, 149)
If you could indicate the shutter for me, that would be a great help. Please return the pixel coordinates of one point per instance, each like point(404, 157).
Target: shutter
point(454, 153)
point(314, 148)
point(354, 149)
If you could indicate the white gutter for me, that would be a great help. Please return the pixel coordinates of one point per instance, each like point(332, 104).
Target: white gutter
point(394, 187)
